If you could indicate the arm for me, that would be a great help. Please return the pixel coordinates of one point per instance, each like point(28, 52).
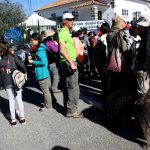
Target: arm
point(40, 62)
point(65, 55)
point(20, 64)
point(2, 63)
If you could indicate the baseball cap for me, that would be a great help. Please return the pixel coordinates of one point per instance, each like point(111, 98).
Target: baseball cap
point(144, 21)
point(67, 16)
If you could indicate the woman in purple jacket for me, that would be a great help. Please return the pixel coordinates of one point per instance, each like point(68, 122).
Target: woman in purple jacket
point(53, 59)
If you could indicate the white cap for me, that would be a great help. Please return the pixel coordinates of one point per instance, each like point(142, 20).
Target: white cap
point(76, 28)
point(144, 21)
point(67, 16)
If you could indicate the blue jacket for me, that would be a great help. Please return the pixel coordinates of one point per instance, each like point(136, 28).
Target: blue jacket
point(41, 63)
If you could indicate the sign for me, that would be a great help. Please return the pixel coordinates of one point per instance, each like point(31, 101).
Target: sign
point(13, 35)
point(90, 25)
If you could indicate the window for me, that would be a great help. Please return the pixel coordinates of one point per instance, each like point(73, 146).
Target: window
point(138, 13)
point(65, 12)
point(53, 16)
point(99, 15)
point(125, 12)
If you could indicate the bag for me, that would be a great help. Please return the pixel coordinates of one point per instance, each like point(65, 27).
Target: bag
point(80, 58)
point(143, 83)
point(116, 61)
point(19, 78)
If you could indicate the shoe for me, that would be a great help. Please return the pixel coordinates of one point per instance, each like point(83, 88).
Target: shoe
point(74, 115)
point(45, 109)
point(56, 91)
point(22, 121)
point(13, 123)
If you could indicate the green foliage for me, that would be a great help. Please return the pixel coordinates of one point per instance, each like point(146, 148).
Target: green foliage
point(10, 14)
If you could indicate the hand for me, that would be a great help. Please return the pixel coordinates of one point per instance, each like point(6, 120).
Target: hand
point(55, 42)
point(30, 61)
point(73, 66)
point(140, 73)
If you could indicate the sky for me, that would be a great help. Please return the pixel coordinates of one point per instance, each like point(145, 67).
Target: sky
point(34, 3)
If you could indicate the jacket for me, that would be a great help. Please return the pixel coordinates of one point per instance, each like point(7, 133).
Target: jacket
point(143, 58)
point(12, 62)
point(110, 40)
point(41, 63)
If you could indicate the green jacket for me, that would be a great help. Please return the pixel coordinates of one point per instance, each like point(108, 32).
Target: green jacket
point(110, 41)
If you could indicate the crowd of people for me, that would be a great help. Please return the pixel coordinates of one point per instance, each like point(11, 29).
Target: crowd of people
point(118, 52)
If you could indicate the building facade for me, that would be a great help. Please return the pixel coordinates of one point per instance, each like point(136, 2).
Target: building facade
point(85, 10)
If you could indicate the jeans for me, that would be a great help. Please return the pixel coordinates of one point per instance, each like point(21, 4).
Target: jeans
point(45, 86)
point(11, 98)
point(70, 87)
point(55, 76)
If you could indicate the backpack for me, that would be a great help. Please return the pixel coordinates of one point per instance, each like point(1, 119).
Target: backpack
point(19, 78)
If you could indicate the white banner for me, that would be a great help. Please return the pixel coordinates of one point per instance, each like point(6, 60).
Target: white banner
point(90, 25)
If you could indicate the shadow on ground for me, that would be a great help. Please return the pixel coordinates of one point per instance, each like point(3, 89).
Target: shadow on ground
point(130, 131)
point(60, 148)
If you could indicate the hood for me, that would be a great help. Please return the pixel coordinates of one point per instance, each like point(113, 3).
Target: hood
point(111, 35)
point(42, 47)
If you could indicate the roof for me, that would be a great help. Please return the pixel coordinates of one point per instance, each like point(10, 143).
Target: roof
point(35, 19)
point(56, 4)
point(88, 3)
point(59, 3)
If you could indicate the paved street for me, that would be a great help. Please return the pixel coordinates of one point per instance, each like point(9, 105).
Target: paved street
point(53, 131)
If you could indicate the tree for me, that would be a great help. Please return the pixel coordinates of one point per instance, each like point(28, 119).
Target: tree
point(10, 14)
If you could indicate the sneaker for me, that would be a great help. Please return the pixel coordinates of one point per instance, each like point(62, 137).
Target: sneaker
point(13, 123)
point(56, 91)
point(22, 121)
point(74, 115)
point(45, 109)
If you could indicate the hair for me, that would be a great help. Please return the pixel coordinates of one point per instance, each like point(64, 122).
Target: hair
point(77, 33)
point(48, 38)
point(43, 32)
point(132, 30)
point(36, 36)
point(84, 30)
point(4, 49)
point(105, 28)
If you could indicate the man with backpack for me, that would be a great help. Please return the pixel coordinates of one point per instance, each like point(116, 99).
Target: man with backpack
point(143, 58)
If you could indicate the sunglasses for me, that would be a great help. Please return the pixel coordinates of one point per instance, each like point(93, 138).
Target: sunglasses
point(70, 19)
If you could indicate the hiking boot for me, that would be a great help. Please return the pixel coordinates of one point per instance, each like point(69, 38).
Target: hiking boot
point(74, 115)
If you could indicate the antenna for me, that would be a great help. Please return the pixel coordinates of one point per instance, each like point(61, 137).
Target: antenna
point(30, 6)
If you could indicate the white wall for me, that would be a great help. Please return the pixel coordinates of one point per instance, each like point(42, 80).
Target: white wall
point(131, 6)
point(107, 12)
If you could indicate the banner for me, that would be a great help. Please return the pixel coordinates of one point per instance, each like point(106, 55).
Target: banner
point(90, 25)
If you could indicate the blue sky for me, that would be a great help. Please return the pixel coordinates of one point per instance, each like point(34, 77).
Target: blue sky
point(35, 4)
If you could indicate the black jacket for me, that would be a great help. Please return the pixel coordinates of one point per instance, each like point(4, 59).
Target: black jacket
point(2, 63)
point(6, 72)
point(143, 58)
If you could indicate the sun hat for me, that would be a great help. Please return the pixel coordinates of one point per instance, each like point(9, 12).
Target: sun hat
point(67, 16)
point(144, 21)
point(118, 23)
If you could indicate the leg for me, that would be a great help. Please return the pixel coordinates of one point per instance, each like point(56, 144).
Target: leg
point(55, 76)
point(10, 94)
point(20, 103)
point(44, 85)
